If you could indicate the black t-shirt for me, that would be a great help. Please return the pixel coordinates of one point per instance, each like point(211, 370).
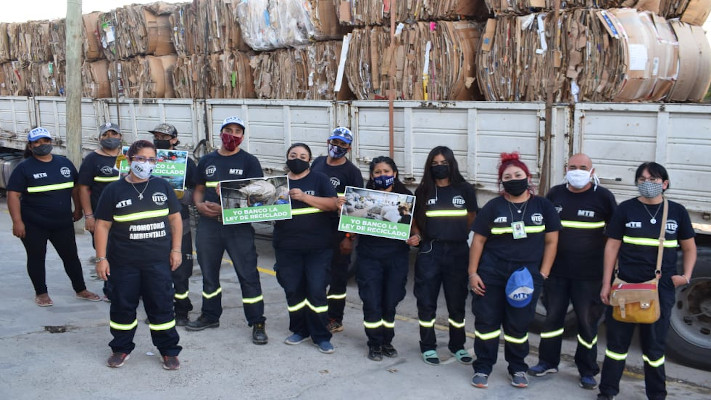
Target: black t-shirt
point(190, 171)
point(346, 174)
point(97, 171)
point(581, 243)
point(374, 246)
point(140, 231)
point(495, 219)
point(215, 167)
point(312, 229)
point(46, 191)
point(447, 210)
point(640, 238)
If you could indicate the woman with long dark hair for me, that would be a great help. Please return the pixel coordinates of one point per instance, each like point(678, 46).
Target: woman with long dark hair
point(444, 211)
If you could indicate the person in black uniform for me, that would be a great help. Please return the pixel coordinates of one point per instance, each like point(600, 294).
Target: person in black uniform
point(633, 242)
point(39, 198)
point(303, 248)
point(382, 269)
point(342, 173)
point(229, 162)
point(444, 211)
point(584, 208)
point(165, 137)
point(514, 232)
point(137, 234)
point(97, 170)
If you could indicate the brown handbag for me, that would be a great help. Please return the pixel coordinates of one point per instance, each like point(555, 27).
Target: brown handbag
point(638, 303)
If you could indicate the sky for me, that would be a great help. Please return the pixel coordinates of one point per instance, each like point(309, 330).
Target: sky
point(31, 10)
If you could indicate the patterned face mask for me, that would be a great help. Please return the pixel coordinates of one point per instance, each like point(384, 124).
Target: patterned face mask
point(650, 190)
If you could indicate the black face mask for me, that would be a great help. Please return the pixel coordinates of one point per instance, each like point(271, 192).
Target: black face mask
point(42, 150)
point(162, 144)
point(297, 165)
point(516, 187)
point(110, 143)
point(440, 171)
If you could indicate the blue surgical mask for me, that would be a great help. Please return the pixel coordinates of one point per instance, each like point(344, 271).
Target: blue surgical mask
point(336, 152)
point(383, 181)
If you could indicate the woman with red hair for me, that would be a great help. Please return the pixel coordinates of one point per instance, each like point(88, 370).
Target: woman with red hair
point(514, 245)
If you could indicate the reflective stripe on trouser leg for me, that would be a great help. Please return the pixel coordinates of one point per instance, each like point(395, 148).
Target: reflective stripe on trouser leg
point(653, 363)
point(516, 340)
point(123, 327)
point(162, 327)
point(587, 345)
point(552, 334)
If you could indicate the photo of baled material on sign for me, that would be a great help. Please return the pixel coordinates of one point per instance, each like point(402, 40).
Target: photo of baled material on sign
point(377, 213)
point(255, 200)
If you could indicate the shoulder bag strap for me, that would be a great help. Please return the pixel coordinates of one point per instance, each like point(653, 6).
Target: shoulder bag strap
point(662, 237)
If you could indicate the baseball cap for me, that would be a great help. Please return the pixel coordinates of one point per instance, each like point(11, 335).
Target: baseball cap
point(233, 120)
point(109, 126)
point(166, 129)
point(38, 133)
point(519, 288)
point(343, 134)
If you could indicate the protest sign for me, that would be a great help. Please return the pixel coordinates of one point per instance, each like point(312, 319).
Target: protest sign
point(171, 166)
point(255, 200)
point(377, 213)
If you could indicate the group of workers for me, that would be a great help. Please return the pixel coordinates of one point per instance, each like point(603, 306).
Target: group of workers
point(566, 244)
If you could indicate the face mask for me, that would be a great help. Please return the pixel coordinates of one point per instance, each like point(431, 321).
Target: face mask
point(650, 190)
point(110, 143)
point(42, 150)
point(383, 181)
point(577, 178)
point(336, 152)
point(440, 171)
point(516, 187)
point(297, 165)
point(230, 142)
point(164, 144)
point(142, 170)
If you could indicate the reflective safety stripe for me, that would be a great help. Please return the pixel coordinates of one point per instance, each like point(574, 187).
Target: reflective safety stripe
point(106, 178)
point(252, 300)
point(141, 215)
point(427, 324)
point(336, 296)
point(162, 327)
point(488, 336)
point(49, 188)
point(305, 210)
point(648, 242)
point(211, 184)
point(552, 334)
point(213, 294)
point(297, 307)
point(373, 325)
point(651, 363)
point(529, 229)
point(390, 325)
point(615, 356)
point(512, 339)
point(455, 323)
point(342, 194)
point(586, 344)
point(182, 296)
point(446, 213)
point(582, 225)
point(123, 327)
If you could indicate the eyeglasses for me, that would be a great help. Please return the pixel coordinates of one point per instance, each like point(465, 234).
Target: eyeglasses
point(642, 179)
point(151, 160)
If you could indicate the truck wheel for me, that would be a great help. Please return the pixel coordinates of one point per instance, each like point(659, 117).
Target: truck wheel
point(689, 340)
point(570, 324)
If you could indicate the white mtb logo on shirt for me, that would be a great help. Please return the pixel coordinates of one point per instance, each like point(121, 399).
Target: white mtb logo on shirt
point(586, 213)
point(210, 170)
point(236, 171)
point(107, 170)
point(310, 192)
point(66, 172)
point(633, 224)
point(40, 175)
point(431, 202)
point(458, 201)
point(123, 203)
point(537, 218)
point(159, 198)
point(500, 220)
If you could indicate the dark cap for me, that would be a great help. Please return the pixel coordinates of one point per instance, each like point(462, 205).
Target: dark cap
point(109, 126)
point(166, 129)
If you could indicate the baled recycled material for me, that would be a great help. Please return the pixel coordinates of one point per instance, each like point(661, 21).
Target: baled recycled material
point(137, 30)
point(378, 12)
point(16, 76)
point(95, 79)
point(90, 36)
point(220, 75)
point(142, 77)
point(694, 76)
point(4, 43)
point(206, 26)
point(47, 79)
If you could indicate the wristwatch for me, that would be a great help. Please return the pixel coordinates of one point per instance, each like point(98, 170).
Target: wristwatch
point(99, 259)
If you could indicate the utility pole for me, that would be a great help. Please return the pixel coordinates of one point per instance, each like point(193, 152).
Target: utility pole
point(74, 55)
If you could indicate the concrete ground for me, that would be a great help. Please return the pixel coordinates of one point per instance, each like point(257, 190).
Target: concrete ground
point(222, 363)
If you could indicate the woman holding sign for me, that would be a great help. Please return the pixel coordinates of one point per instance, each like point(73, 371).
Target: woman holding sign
point(303, 249)
point(382, 269)
point(514, 245)
point(444, 211)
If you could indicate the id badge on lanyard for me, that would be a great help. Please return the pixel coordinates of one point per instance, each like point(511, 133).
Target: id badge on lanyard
point(519, 230)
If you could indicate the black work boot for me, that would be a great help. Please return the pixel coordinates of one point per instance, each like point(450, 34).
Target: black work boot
point(201, 323)
point(181, 319)
point(259, 334)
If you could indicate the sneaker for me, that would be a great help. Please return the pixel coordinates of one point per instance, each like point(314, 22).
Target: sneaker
point(325, 347)
point(201, 323)
point(519, 380)
point(389, 351)
point(171, 363)
point(463, 357)
point(182, 319)
point(334, 326)
point(588, 382)
point(430, 357)
point(295, 339)
point(259, 334)
point(117, 360)
point(480, 380)
point(605, 397)
point(375, 353)
point(542, 369)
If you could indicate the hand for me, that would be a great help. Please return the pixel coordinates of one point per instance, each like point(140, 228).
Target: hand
point(77, 214)
point(209, 209)
point(18, 229)
point(477, 284)
point(89, 224)
point(346, 246)
point(175, 260)
point(103, 270)
point(414, 240)
point(340, 202)
point(679, 280)
point(297, 194)
point(605, 294)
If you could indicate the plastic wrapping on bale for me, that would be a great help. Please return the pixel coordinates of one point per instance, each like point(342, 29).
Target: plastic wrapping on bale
point(95, 79)
point(377, 12)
